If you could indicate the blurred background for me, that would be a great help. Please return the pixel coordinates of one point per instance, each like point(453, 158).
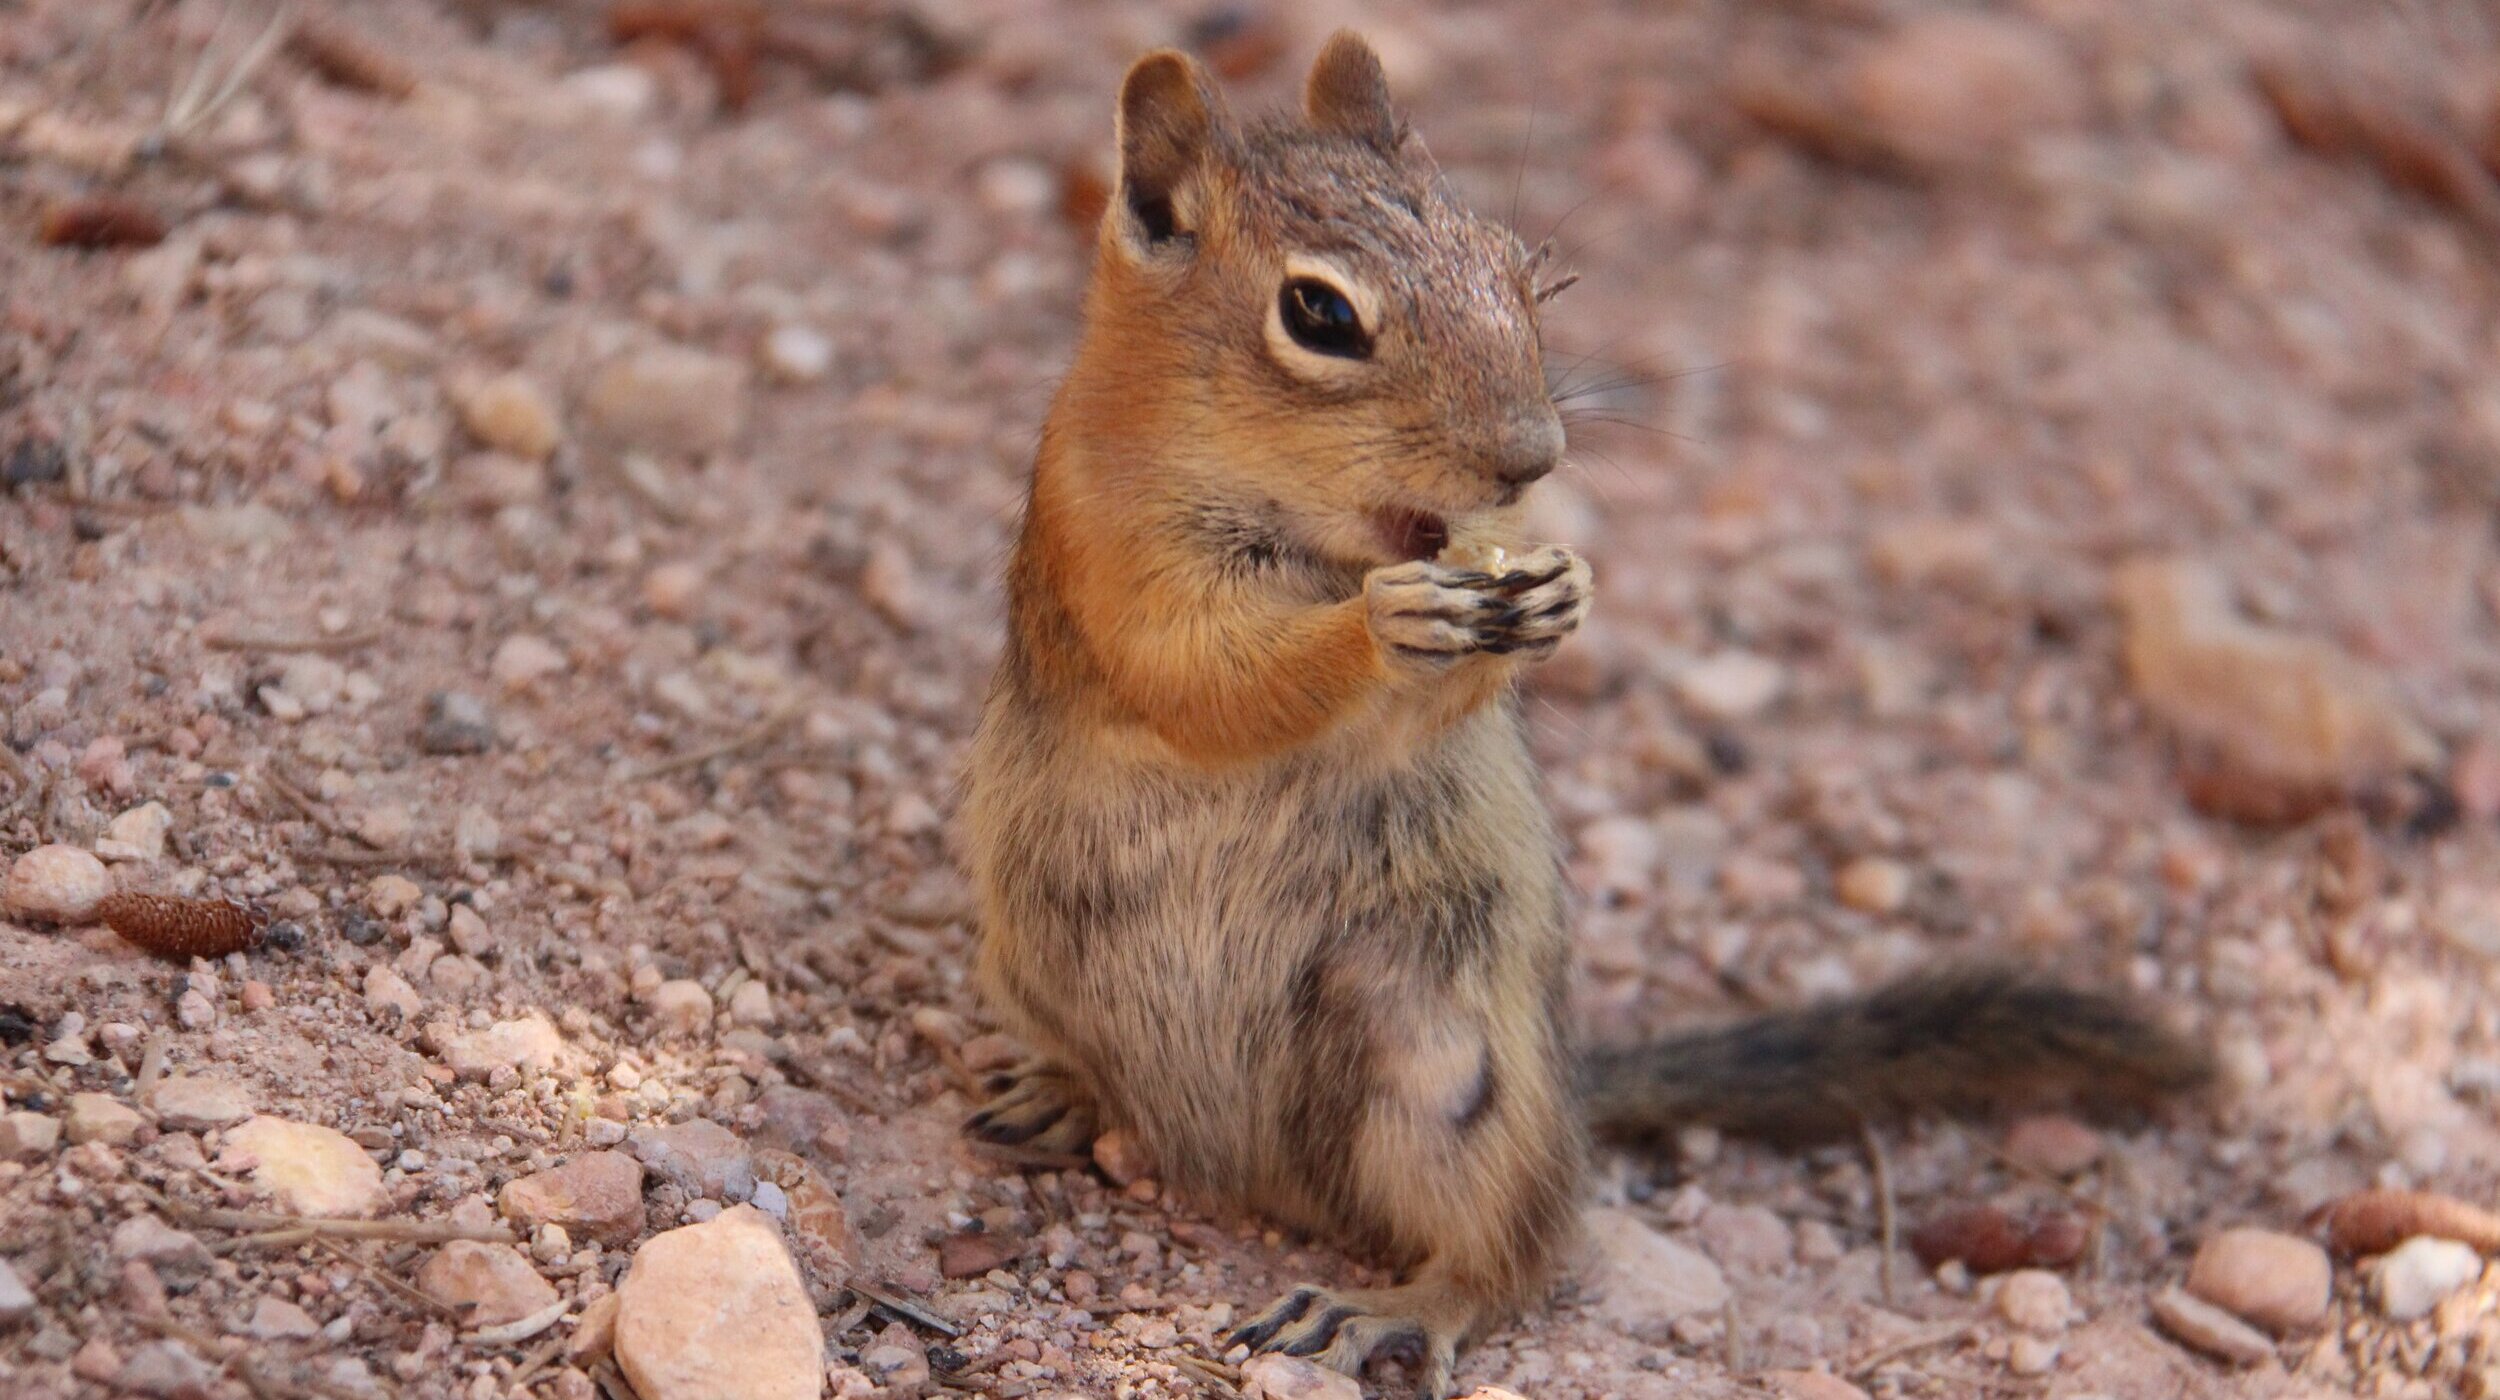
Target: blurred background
point(517, 489)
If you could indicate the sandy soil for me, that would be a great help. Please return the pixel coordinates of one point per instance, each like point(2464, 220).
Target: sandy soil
point(1895, 340)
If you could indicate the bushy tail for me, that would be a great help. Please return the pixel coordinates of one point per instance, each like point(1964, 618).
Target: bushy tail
point(1956, 1039)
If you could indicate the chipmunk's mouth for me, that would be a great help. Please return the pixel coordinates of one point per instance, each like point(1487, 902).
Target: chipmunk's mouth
point(1411, 534)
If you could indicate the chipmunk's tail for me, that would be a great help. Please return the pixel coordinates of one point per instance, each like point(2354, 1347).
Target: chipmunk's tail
point(1966, 1037)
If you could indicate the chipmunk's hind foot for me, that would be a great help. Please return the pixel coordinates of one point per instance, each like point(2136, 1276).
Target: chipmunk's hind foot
point(1344, 1330)
point(1039, 1106)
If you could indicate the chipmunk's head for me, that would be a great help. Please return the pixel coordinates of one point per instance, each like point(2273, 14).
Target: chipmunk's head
point(1350, 350)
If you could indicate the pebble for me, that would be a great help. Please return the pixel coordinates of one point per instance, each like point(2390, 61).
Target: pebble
point(795, 354)
point(2031, 1356)
point(2279, 1282)
point(1746, 1239)
point(167, 1368)
point(2209, 1329)
point(2286, 715)
point(598, 1194)
point(56, 884)
point(752, 1005)
point(717, 1311)
point(390, 896)
point(1730, 685)
point(1645, 1280)
point(456, 722)
point(1273, 1376)
point(193, 1103)
point(681, 1006)
point(388, 995)
point(96, 1360)
point(529, 1043)
point(17, 1302)
point(2420, 1274)
point(1873, 885)
point(972, 1254)
point(1620, 856)
point(2036, 1301)
point(510, 413)
point(1122, 1157)
point(1813, 1385)
point(669, 399)
point(1944, 88)
point(136, 835)
point(523, 660)
point(700, 1156)
point(672, 590)
point(26, 1135)
point(309, 1169)
point(469, 932)
point(276, 1320)
point(484, 1284)
point(2053, 1143)
point(146, 1239)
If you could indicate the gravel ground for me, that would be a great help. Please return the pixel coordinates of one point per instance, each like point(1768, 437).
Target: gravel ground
point(526, 515)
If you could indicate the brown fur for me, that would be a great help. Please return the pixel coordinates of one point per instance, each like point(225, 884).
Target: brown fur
point(1263, 866)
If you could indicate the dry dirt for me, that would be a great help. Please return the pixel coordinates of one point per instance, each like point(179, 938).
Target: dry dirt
point(1896, 338)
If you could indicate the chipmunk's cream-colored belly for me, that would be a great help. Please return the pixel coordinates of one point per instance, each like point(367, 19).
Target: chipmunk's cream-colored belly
point(1249, 966)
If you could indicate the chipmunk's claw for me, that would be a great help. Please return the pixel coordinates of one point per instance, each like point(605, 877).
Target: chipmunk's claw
point(1035, 1105)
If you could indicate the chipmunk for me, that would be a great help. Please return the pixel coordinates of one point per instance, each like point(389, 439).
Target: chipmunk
point(1263, 866)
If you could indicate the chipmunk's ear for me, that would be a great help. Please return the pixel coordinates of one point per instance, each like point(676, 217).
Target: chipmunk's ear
point(1348, 95)
point(1167, 127)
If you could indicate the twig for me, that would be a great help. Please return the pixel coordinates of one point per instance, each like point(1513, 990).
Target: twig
point(1887, 1208)
point(388, 1282)
point(748, 738)
point(345, 641)
point(333, 1227)
point(151, 1067)
point(520, 1329)
point(535, 1362)
point(1885, 1355)
point(302, 802)
point(906, 1310)
point(201, 94)
point(1732, 1336)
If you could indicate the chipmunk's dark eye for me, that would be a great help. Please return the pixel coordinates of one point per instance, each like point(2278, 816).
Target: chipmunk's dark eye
point(1319, 318)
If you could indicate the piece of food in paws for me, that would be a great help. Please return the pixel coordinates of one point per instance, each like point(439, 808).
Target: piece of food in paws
point(1483, 556)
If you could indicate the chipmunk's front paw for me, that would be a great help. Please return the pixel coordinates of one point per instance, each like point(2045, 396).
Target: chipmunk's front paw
point(1343, 1330)
point(1549, 589)
point(1036, 1105)
point(1426, 615)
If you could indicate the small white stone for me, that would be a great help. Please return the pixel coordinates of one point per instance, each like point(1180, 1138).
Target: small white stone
point(1273, 1376)
point(307, 1168)
point(524, 660)
point(17, 1302)
point(1730, 685)
point(796, 354)
point(2031, 1356)
point(2420, 1274)
point(672, 590)
point(510, 413)
point(101, 1118)
point(192, 1103)
point(681, 1005)
point(752, 1005)
point(2036, 1301)
point(56, 884)
point(138, 834)
point(26, 1135)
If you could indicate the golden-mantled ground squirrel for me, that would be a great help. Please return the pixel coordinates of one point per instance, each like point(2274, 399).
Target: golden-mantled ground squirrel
point(1264, 869)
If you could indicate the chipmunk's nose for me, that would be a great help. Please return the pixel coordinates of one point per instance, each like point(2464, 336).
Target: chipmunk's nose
point(1528, 450)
